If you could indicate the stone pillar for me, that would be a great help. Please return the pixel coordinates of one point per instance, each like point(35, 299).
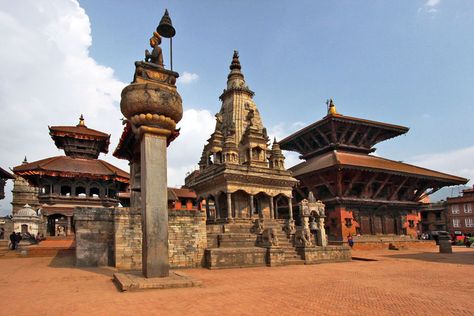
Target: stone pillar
point(208, 210)
point(154, 202)
point(229, 205)
point(290, 208)
point(322, 232)
point(68, 225)
point(217, 208)
point(272, 209)
point(252, 210)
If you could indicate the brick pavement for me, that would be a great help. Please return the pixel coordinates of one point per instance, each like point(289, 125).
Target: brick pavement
point(399, 282)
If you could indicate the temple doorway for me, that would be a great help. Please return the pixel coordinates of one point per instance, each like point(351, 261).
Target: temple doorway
point(57, 225)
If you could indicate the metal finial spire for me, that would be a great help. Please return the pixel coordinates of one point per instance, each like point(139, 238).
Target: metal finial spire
point(166, 29)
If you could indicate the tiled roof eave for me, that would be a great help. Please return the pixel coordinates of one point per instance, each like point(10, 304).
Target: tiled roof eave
point(69, 174)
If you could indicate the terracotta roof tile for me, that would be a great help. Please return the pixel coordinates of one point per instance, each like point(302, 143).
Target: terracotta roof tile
point(78, 130)
point(65, 166)
point(184, 193)
point(368, 162)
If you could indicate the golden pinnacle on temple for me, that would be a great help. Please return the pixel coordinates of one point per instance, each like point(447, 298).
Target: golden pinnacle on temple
point(81, 121)
point(331, 107)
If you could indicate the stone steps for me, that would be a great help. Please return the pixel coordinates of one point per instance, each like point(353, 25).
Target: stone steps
point(291, 254)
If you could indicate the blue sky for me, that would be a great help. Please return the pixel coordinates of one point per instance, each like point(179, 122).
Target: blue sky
point(395, 61)
point(407, 62)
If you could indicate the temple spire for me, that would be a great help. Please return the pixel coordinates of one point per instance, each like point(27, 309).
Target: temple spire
point(235, 79)
point(235, 61)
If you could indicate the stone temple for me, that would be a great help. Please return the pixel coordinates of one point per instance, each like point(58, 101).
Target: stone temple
point(247, 189)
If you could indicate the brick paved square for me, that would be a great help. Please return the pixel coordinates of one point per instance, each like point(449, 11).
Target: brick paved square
point(397, 283)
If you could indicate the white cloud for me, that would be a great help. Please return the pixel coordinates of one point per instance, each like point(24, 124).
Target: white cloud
point(456, 162)
point(430, 6)
point(282, 130)
point(48, 78)
point(187, 78)
point(184, 153)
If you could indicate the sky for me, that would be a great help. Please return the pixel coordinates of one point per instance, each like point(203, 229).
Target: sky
point(406, 62)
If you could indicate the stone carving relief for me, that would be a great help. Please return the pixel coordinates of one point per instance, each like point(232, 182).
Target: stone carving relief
point(269, 237)
point(289, 228)
point(303, 237)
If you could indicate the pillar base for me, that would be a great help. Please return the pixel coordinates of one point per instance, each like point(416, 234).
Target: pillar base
point(135, 281)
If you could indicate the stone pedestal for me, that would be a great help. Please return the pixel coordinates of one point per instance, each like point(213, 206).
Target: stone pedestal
point(136, 282)
point(444, 243)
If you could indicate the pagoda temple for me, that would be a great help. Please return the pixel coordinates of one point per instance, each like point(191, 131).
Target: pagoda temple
point(78, 179)
point(365, 195)
point(242, 177)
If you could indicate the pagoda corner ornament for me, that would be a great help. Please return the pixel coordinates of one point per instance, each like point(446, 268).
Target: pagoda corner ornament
point(152, 107)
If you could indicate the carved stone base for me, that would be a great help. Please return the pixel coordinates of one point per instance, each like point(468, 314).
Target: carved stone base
point(137, 282)
point(221, 258)
point(313, 255)
point(275, 257)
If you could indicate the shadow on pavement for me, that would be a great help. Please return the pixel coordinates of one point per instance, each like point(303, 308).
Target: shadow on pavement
point(69, 261)
point(465, 257)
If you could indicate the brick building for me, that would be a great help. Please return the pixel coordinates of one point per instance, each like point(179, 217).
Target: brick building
point(433, 217)
point(459, 213)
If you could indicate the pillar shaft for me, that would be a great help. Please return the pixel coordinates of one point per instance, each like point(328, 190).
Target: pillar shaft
point(290, 207)
point(272, 208)
point(217, 208)
point(155, 261)
point(252, 210)
point(229, 205)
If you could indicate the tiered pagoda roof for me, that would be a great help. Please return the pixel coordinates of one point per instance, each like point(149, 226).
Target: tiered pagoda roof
point(80, 141)
point(69, 167)
point(340, 132)
point(82, 146)
point(5, 174)
point(339, 166)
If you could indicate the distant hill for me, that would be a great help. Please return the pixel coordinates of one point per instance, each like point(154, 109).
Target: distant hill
point(447, 192)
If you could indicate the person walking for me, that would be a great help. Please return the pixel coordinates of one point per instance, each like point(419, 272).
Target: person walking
point(18, 238)
point(350, 241)
point(13, 240)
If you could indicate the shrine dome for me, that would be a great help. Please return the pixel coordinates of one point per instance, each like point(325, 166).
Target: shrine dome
point(26, 211)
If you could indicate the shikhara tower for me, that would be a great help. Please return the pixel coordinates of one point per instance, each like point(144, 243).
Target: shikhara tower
point(238, 172)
